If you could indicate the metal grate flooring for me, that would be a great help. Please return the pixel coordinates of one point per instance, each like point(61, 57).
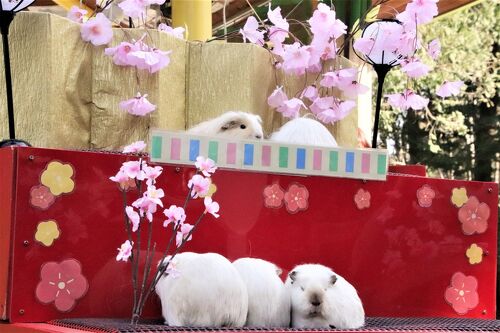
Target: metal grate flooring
point(373, 324)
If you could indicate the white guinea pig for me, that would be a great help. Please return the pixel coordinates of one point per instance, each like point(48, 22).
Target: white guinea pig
point(232, 124)
point(268, 301)
point(321, 298)
point(207, 292)
point(304, 131)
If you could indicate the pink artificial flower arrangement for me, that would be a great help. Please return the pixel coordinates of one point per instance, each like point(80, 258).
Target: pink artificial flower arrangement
point(140, 215)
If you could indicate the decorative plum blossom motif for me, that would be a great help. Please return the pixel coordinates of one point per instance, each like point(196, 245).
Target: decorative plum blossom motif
point(475, 254)
point(40, 197)
point(97, 30)
point(362, 199)
point(273, 196)
point(76, 14)
point(459, 196)
point(296, 198)
point(47, 232)
point(58, 178)
point(474, 216)
point(462, 294)
point(425, 194)
point(62, 284)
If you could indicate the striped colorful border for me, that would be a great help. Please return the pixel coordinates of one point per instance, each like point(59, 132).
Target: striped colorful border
point(180, 148)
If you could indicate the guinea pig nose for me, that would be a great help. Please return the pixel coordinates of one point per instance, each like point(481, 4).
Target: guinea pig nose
point(316, 303)
point(258, 137)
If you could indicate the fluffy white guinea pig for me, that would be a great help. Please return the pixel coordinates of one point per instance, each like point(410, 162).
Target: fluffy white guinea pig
point(304, 131)
point(232, 124)
point(268, 300)
point(321, 298)
point(207, 292)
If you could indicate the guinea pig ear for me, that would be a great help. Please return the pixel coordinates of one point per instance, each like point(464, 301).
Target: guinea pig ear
point(292, 275)
point(229, 125)
point(259, 119)
point(333, 279)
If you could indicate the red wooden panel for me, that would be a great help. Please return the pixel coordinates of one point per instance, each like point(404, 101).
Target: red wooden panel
point(400, 253)
point(7, 158)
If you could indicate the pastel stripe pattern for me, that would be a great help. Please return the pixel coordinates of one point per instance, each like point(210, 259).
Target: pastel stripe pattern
point(269, 157)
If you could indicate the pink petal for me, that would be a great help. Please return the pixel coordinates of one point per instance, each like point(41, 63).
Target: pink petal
point(64, 302)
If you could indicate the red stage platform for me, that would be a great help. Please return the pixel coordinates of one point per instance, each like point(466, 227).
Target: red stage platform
point(413, 246)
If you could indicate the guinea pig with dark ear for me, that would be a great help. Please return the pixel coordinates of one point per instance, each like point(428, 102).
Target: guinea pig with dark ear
point(232, 124)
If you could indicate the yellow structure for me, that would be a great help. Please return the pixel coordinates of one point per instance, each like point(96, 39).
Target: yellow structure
point(195, 16)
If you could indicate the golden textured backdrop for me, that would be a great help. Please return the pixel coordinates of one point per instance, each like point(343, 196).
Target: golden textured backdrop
point(66, 91)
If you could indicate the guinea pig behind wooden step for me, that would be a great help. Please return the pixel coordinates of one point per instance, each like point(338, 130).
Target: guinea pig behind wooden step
point(320, 298)
point(268, 301)
point(304, 131)
point(207, 292)
point(232, 124)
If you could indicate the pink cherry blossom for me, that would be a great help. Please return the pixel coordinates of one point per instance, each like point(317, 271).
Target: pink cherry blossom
point(138, 106)
point(199, 185)
point(205, 165)
point(353, 89)
point(175, 215)
point(434, 49)
point(134, 8)
point(76, 14)
point(329, 51)
point(181, 235)
point(150, 59)
point(364, 45)
point(120, 53)
point(323, 22)
point(211, 207)
point(277, 98)
point(135, 147)
point(295, 59)
point(133, 169)
point(175, 32)
point(154, 195)
point(120, 177)
point(250, 31)
point(339, 78)
point(277, 36)
point(407, 100)
point(462, 294)
point(133, 216)
point(419, 12)
point(321, 104)
point(291, 108)
point(277, 19)
point(151, 173)
point(97, 30)
point(310, 92)
point(125, 251)
point(448, 89)
point(414, 68)
point(338, 111)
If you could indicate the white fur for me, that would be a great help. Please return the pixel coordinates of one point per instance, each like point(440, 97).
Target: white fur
point(268, 301)
point(208, 292)
point(339, 307)
point(304, 131)
point(233, 120)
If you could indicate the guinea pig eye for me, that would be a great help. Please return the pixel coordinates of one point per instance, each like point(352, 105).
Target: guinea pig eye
point(243, 126)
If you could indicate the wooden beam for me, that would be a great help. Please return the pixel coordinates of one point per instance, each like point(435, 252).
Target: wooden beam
point(390, 8)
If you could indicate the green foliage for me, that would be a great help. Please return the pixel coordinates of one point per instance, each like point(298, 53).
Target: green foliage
point(457, 137)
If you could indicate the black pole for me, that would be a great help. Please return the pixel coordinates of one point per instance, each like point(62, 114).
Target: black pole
point(381, 71)
point(5, 20)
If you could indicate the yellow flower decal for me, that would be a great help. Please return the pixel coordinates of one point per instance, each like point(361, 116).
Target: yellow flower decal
point(459, 196)
point(211, 191)
point(475, 254)
point(57, 177)
point(47, 232)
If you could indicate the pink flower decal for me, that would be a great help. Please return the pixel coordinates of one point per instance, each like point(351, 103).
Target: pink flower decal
point(462, 294)
point(362, 199)
point(425, 194)
point(273, 196)
point(41, 197)
point(296, 198)
point(474, 216)
point(62, 284)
